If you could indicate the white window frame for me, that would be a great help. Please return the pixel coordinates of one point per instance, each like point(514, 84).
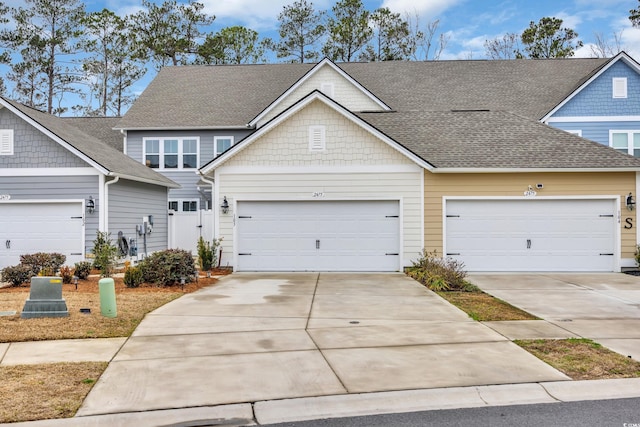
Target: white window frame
point(630, 133)
point(317, 138)
point(180, 203)
point(619, 87)
point(6, 142)
point(215, 144)
point(181, 153)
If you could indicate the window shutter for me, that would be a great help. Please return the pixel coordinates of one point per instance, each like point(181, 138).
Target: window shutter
point(6, 142)
point(317, 138)
point(620, 87)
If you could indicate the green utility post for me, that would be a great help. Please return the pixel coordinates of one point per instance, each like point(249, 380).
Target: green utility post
point(107, 298)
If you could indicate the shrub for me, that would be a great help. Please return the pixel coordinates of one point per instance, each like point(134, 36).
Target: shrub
point(42, 263)
point(17, 275)
point(82, 269)
point(105, 253)
point(167, 267)
point(205, 254)
point(66, 273)
point(438, 273)
point(133, 277)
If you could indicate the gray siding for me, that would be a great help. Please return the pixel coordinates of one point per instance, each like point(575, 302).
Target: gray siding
point(32, 149)
point(187, 179)
point(597, 131)
point(129, 201)
point(57, 188)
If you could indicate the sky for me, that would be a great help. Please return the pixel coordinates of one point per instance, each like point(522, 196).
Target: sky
point(466, 23)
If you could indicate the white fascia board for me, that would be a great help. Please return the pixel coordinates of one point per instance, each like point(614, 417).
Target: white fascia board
point(54, 137)
point(621, 56)
point(288, 170)
point(144, 180)
point(184, 128)
point(296, 85)
point(532, 170)
point(48, 172)
point(587, 119)
point(313, 96)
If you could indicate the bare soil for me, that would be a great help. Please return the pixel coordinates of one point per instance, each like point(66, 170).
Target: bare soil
point(483, 307)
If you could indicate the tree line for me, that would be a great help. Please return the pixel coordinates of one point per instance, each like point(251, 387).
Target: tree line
point(54, 48)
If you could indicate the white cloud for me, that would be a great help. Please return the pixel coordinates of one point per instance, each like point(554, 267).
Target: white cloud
point(429, 9)
point(569, 21)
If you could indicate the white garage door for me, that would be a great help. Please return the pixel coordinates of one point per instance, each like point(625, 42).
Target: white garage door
point(532, 235)
point(40, 227)
point(318, 236)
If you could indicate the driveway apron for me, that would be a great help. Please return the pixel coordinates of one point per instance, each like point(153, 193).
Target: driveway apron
point(257, 336)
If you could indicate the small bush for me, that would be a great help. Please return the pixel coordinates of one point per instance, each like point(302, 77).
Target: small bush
point(105, 253)
point(167, 267)
point(438, 273)
point(42, 263)
point(133, 277)
point(205, 254)
point(17, 275)
point(82, 269)
point(66, 273)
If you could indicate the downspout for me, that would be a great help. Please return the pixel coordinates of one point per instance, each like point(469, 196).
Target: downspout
point(213, 198)
point(105, 203)
point(124, 140)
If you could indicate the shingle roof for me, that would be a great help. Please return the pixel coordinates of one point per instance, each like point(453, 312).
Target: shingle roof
point(99, 127)
point(99, 152)
point(494, 139)
point(232, 95)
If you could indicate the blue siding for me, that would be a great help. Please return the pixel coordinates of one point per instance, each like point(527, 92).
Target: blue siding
point(597, 99)
point(597, 131)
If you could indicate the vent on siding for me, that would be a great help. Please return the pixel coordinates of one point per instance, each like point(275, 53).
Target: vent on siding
point(317, 140)
point(619, 87)
point(6, 142)
point(327, 89)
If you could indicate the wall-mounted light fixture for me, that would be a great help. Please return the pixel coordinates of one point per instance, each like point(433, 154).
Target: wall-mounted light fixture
point(225, 205)
point(91, 205)
point(631, 203)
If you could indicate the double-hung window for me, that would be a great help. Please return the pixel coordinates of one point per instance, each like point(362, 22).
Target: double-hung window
point(222, 144)
point(171, 153)
point(625, 141)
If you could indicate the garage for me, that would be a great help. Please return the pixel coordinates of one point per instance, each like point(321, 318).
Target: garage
point(533, 234)
point(41, 227)
point(318, 235)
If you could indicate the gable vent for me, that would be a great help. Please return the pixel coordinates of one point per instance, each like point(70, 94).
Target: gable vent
point(327, 89)
point(317, 140)
point(619, 87)
point(6, 142)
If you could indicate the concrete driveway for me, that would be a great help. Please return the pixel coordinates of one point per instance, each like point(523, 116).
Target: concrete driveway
point(604, 307)
point(257, 337)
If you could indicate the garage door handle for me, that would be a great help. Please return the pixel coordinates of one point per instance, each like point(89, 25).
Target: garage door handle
point(606, 254)
point(317, 244)
point(392, 254)
point(528, 243)
point(8, 244)
point(246, 253)
point(453, 253)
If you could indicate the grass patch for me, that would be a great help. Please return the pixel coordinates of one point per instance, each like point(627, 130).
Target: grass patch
point(483, 307)
point(582, 359)
point(39, 392)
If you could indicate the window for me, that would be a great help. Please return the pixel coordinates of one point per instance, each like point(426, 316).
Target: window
point(619, 87)
point(317, 138)
point(627, 142)
point(6, 142)
point(183, 205)
point(171, 153)
point(222, 144)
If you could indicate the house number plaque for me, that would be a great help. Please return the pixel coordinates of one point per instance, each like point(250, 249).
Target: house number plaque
point(317, 194)
point(4, 197)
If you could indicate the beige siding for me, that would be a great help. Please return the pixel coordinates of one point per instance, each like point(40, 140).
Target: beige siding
point(514, 184)
point(344, 92)
point(347, 144)
point(403, 186)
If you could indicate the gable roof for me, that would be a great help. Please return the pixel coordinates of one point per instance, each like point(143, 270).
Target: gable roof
point(316, 95)
point(495, 141)
point(96, 153)
point(99, 127)
point(622, 56)
point(228, 96)
point(324, 63)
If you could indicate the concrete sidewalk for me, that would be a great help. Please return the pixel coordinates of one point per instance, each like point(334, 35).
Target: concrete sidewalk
point(261, 348)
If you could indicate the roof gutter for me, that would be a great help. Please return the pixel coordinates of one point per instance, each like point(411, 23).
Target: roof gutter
point(532, 170)
point(145, 180)
point(182, 128)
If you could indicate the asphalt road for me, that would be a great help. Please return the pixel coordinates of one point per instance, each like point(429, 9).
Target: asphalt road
point(605, 413)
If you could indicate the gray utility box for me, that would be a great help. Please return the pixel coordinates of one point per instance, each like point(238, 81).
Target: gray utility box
point(45, 299)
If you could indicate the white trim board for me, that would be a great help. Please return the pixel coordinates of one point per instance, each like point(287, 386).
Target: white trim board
point(49, 172)
point(589, 119)
point(279, 170)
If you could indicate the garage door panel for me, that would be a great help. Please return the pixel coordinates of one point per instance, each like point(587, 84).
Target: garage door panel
point(318, 236)
point(532, 235)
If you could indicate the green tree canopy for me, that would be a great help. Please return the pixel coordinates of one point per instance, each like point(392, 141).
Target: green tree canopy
point(548, 39)
point(233, 45)
point(301, 26)
point(634, 16)
point(390, 41)
point(348, 30)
